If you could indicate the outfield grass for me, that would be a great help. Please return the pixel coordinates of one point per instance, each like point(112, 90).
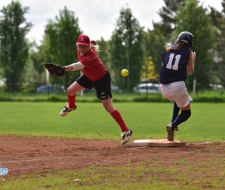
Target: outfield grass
point(90, 120)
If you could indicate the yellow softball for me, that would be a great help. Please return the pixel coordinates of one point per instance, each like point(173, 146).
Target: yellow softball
point(124, 72)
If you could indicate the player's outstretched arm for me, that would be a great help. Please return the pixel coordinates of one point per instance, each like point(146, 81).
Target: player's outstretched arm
point(74, 66)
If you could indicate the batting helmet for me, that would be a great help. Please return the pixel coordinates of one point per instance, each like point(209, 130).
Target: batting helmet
point(186, 37)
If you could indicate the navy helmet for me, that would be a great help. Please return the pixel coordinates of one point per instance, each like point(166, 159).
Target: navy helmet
point(186, 37)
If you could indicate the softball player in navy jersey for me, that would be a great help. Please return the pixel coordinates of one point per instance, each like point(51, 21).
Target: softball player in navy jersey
point(176, 61)
point(95, 75)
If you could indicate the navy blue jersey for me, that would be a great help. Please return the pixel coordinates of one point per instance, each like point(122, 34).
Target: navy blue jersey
point(174, 66)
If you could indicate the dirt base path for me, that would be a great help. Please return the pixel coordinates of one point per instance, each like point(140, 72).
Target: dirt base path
point(27, 155)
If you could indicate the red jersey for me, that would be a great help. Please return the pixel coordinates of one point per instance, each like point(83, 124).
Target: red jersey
point(94, 69)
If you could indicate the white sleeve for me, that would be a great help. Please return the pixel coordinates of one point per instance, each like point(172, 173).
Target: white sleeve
point(77, 66)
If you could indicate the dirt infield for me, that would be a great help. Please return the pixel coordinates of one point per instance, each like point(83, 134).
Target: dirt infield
point(27, 155)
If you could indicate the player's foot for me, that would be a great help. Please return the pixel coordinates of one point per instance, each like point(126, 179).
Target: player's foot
point(66, 110)
point(126, 136)
point(170, 133)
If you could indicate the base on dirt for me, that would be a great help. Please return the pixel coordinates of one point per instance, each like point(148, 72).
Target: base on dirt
point(153, 142)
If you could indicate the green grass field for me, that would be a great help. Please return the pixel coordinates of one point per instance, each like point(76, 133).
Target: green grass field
point(90, 120)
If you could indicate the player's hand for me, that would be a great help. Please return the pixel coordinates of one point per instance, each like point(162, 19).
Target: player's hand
point(193, 55)
point(54, 69)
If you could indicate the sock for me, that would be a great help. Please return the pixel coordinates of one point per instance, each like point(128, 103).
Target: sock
point(176, 110)
point(185, 114)
point(71, 100)
point(118, 118)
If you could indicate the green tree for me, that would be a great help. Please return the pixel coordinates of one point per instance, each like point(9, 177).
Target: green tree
point(167, 14)
point(103, 53)
point(222, 68)
point(126, 50)
point(154, 45)
point(193, 18)
point(13, 44)
point(37, 57)
point(218, 68)
point(59, 44)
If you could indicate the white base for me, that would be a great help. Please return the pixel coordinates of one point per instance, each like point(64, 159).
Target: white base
point(154, 142)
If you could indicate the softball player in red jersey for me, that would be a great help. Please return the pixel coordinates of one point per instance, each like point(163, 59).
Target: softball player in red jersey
point(95, 75)
point(176, 61)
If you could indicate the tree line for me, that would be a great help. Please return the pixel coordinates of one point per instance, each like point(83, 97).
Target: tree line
point(131, 46)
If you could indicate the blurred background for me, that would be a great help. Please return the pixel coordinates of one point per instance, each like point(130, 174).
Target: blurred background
point(128, 44)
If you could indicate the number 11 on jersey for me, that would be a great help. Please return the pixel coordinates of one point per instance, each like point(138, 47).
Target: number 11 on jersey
point(169, 64)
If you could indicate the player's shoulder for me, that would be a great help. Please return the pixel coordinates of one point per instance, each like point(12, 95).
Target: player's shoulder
point(90, 56)
point(181, 51)
point(91, 53)
point(185, 49)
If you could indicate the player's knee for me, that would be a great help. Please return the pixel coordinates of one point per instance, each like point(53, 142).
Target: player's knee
point(185, 114)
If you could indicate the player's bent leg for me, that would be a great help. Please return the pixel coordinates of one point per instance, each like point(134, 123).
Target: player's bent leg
point(74, 88)
point(71, 94)
point(126, 132)
point(171, 128)
point(184, 115)
point(108, 105)
point(176, 111)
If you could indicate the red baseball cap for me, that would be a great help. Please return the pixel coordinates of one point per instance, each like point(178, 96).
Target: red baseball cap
point(83, 40)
